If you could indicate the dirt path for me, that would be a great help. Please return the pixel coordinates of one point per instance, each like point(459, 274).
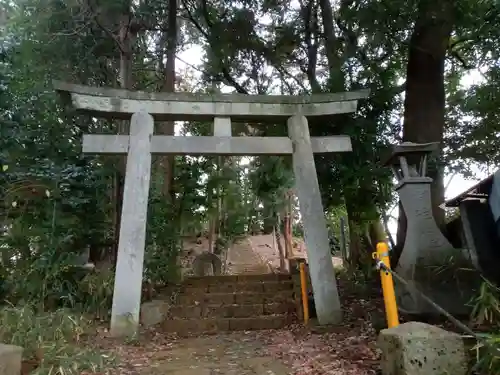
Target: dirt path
point(263, 245)
point(242, 259)
point(349, 349)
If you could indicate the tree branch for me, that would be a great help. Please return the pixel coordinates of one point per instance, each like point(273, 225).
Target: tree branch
point(310, 27)
point(112, 35)
point(224, 69)
point(456, 56)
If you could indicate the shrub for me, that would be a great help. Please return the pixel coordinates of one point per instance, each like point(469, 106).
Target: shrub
point(55, 339)
point(486, 311)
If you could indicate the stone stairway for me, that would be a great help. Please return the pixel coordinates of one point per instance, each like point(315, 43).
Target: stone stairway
point(232, 303)
point(243, 260)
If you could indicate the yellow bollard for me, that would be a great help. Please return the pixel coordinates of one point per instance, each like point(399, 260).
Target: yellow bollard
point(303, 290)
point(391, 309)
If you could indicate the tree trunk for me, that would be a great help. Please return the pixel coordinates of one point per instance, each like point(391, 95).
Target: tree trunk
point(376, 231)
point(220, 164)
point(287, 228)
point(167, 163)
point(355, 239)
point(211, 233)
point(218, 213)
point(385, 222)
point(336, 83)
point(126, 40)
point(290, 226)
point(251, 213)
point(424, 113)
point(363, 234)
point(336, 78)
point(268, 222)
point(281, 251)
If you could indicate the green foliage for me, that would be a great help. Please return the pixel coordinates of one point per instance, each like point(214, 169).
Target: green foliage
point(160, 263)
point(488, 356)
point(486, 313)
point(95, 293)
point(56, 337)
point(235, 208)
point(270, 179)
point(54, 202)
point(486, 305)
point(334, 218)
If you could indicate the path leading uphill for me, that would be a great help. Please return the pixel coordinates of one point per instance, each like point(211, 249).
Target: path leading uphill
point(349, 350)
point(242, 259)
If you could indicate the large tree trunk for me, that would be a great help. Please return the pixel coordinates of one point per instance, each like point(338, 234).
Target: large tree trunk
point(424, 114)
point(126, 41)
point(167, 163)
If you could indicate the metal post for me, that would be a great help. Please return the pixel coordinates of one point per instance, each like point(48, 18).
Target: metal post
point(303, 290)
point(391, 309)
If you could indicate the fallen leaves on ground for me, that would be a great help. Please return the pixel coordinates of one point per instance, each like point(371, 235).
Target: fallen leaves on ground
point(347, 349)
point(339, 353)
point(348, 352)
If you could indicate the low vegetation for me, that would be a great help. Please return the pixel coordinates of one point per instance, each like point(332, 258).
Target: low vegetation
point(59, 208)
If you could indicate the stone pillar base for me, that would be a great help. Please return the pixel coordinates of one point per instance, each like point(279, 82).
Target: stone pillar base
point(416, 348)
point(10, 359)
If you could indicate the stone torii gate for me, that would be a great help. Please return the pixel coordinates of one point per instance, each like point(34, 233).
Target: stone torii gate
point(143, 108)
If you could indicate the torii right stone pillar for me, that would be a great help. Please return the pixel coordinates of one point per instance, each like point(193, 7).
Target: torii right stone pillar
point(428, 260)
point(324, 283)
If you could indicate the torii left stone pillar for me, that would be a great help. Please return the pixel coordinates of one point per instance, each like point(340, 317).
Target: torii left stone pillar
point(221, 109)
point(132, 240)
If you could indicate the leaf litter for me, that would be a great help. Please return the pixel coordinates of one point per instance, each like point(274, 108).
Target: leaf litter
point(347, 349)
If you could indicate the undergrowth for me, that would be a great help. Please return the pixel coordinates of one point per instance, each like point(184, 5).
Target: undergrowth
point(486, 312)
point(54, 342)
point(52, 320)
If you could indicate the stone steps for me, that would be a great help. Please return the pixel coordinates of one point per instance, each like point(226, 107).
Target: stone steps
point(230, 310)
point(185, 327)
point(245, 298)
point(230, 303)
point(211, 280)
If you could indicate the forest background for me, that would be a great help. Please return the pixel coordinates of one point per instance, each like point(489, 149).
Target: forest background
point(433, 69)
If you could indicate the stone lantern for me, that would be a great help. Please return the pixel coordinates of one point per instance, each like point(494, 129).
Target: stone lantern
point(428, 260)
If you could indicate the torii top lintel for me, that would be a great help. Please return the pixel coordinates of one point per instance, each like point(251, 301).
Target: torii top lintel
point(121, 104)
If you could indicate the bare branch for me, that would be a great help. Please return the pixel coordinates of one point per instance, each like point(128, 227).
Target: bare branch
point(224, 69)
point(113, 36)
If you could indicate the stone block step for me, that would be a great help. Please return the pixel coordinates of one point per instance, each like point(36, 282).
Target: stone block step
point(212, 280)
point(235, 287)
point(213, 325)
point(244, 298)
point(231, 311)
